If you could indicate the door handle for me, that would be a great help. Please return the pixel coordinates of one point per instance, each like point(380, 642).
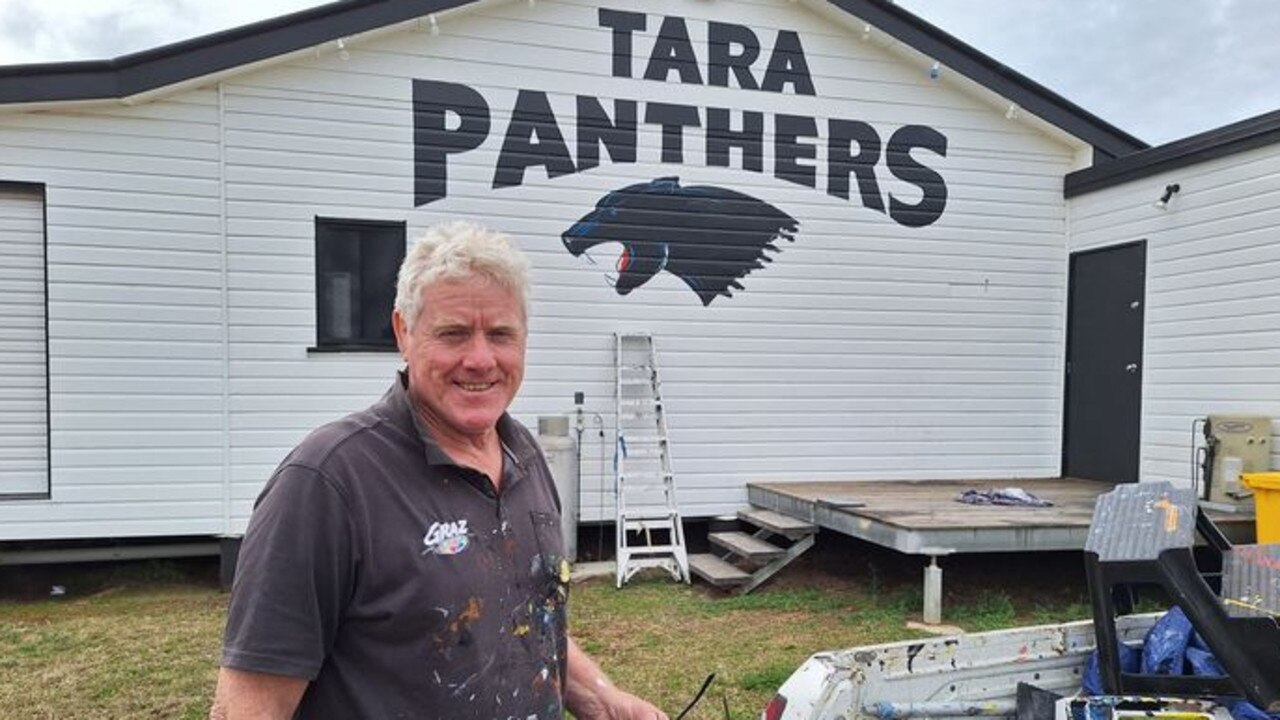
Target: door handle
point(1131, 368)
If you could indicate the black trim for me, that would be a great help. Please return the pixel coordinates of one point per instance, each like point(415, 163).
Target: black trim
point(1255, 132)
point(362, 221)
point(1031, 96)
point(152, 69)
point(43, 190)
point(352, 348)
point(20, 186)
point(15, 497)
point(48, 363)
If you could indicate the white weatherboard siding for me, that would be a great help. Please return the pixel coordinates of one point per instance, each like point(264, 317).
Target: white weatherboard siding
point(135, 325)
point(865, 350)
point(1213, 302)
point(24, 406)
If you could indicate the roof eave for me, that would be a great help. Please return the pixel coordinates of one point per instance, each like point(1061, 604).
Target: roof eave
point(1254, 132)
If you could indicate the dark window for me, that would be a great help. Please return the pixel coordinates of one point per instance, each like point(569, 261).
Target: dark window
point(356, 266)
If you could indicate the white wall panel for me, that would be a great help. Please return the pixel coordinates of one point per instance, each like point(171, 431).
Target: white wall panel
point(1212, 306)
point(135, 322)
point(865, 350)
point(24, 407)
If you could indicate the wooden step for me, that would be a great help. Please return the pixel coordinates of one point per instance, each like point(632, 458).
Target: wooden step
point(744, 545)
point(717, 571)
point(776, 522)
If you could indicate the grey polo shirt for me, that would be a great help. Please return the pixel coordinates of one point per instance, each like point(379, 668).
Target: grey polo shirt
point(401, 584)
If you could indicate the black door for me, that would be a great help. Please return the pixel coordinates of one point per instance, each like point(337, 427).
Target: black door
point(1104, 363)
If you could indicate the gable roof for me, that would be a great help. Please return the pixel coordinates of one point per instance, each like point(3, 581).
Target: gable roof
point(149, 70)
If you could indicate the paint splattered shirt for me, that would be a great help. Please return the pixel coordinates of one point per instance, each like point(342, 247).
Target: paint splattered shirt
point(401, 584)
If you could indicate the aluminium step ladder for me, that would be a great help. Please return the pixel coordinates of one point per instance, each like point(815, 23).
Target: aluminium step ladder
point(747, 560)
point(649, 530)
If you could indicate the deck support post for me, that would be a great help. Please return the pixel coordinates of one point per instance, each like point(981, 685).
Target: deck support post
point(933, 592)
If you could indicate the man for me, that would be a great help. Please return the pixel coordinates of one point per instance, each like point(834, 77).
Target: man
point(406, 561)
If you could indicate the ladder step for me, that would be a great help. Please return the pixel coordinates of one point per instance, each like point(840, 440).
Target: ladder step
point(752, 548)
point(634, 452)
point(660, 525)
point(633, 401)
point(648, 550)
point(776, 522)
point(651, 513)
point(639, 562)
point(717, 571)
point(648, 512)
point(645, 440)
point(647, 500)
point(650, 521)
point(658, 479)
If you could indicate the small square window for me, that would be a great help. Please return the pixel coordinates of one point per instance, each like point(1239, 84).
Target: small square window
point(356, 266)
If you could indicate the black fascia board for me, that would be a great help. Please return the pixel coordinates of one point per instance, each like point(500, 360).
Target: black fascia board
point(1000, 79)
point(1255, 132)
point(158, 67)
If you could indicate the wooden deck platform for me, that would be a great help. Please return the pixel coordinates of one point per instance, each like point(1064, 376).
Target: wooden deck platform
point(924, 518)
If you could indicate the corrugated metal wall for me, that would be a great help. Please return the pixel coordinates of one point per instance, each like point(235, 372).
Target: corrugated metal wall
point(1213, 304)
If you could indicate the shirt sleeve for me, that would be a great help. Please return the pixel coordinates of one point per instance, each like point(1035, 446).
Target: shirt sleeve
point(293, 577)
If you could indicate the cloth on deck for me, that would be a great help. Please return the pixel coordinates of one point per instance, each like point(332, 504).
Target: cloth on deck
point(1011, 496)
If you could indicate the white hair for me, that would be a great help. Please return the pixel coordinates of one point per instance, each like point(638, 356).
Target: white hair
point(459, 250)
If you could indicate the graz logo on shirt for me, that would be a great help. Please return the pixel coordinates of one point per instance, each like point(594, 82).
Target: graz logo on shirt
point(446, 538)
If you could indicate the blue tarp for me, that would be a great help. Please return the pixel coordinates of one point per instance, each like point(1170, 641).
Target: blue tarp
point(1171, 647)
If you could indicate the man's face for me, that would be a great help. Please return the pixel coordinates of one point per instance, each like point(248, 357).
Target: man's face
point(465, 354)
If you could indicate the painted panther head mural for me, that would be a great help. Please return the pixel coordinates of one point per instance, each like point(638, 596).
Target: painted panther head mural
point(707, 236)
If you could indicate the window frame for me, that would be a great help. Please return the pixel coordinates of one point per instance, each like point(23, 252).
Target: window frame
point(323, 343)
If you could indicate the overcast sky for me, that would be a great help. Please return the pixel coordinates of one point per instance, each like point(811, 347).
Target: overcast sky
point(1159, 69)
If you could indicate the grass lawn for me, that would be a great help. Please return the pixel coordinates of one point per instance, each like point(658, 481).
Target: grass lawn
point(141, 640)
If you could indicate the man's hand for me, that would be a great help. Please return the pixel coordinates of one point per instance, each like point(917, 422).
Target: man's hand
point(626, 706)
point(590, 696)
point(610, 703)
